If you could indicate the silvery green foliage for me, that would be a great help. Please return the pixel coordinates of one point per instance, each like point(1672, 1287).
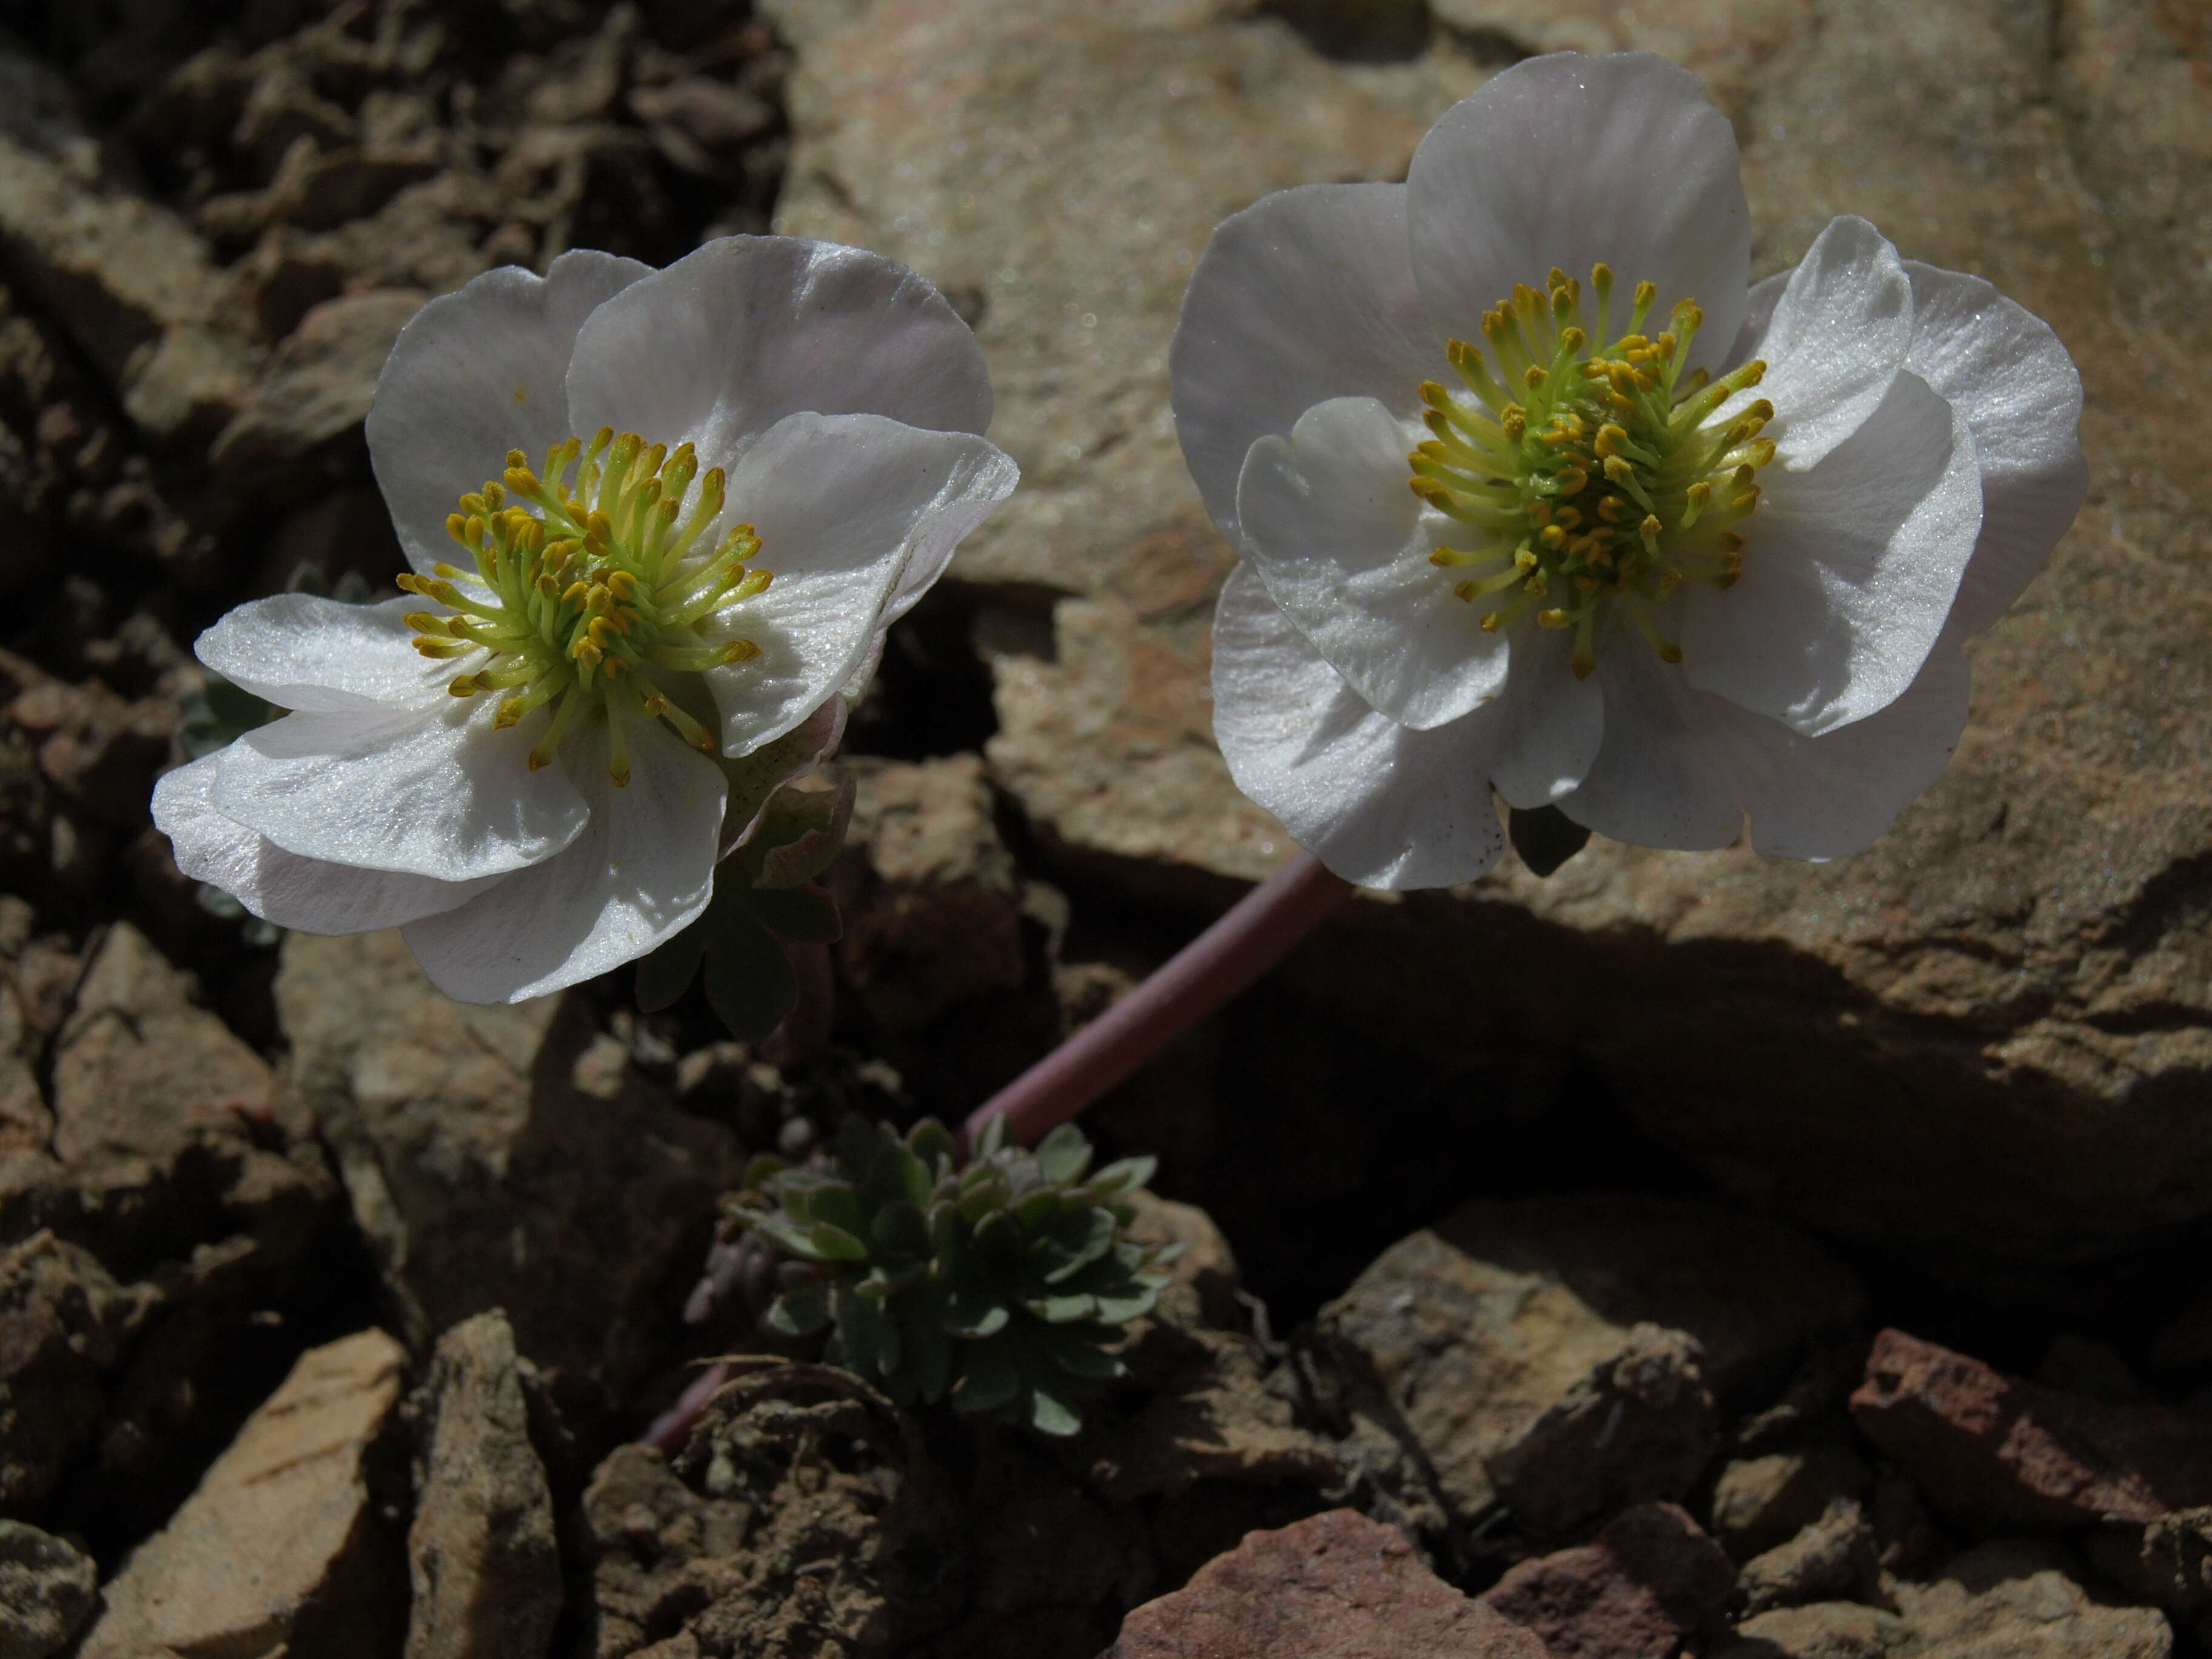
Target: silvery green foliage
point(1001, 1285)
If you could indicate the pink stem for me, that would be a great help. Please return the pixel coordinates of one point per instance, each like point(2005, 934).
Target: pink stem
point(805, 1032)
point(674, 1426)
point(1197, 981)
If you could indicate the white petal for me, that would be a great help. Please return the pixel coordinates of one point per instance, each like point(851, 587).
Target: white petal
point(1837, 338)
point(1848, 571)
point(1343, 545)
point(1568, 160)
point(843, 504)
point(440, 794)
point(1547, 726)
point(1378, 803)
point(2003, 369)
point(730, 339)
point(476, 373)
point(1305, 296)
point(641, 873)
point(299, 652)
point(1682, 768)
point(305, 895)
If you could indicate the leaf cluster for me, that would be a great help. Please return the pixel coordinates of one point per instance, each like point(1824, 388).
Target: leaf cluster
point(764, 892)
point(1001, 1285)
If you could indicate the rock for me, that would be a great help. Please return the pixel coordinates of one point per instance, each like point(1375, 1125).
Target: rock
point(1836, 1556)
point(1648, 1581)
point(140, 1066)
point(2000, 1452)
point(1554, 1353)
point(284, 1548)
point(493, 1160)
point(64, 1322)
point(803, 1507)
point(316, 386)
point(98, 750)
point(1203, 1279)
point(132, 286)
point(1220, 1451)
point(47, 1590)
point(2024, 947)
point(928, 894)
point(2008, 1599)
point(482, 1551)
point(1761, 1502)
point(1338, 1586)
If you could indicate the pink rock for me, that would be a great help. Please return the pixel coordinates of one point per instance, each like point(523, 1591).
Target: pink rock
point(1993, 1450)
point(1338, 1586)
point(1649, 1579)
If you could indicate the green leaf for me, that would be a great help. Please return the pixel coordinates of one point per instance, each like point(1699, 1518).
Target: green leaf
point(1124, 1176)
point(792, 1237)
point(834, 1243)
point(997, 1244)
point(929, 1350)
point(989, 1378)
point(1050, 1412)
point(750, 984)
point(992, 1138)
point(802, 1310)
point(1064, 1155)
point(801, 832)
point(899, 1230)
point(984, 1197)
point(837, 1203)
point(1086, 1360)
point(1073, 1242)
point(973, 1313)
point(806, 913)
point(1037, 1208)
point(948, 1236)
point(932, 1142)
point(1121, 1309)
point(760, 1167)
point(1063, 1309)
point(872, 1339)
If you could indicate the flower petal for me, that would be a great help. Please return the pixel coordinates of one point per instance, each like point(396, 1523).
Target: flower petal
point(474, 374)
point(305, 895)
point(1849, 573)
point(1305, 296)
point(843, 504)
point(730, 339)
point(297, 651)
point(1343, 546)
point(640, 873)
point(1568, 160)
point(1837, 335)
point(1378, 803)
point(1547, 724)
point(441, 795)
point(2002, 368)
point(1682, 768)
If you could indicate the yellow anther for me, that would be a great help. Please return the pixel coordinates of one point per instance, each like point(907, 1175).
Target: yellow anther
point(457, 526)
point(1534, 376)
point(423, 622)
point(1619, 470)
point(1551, 536)
point(522, 481)
point(464, 685)
point(1524, 562)
point(1573, 481)
point(1555, 617)
point(494, 497)
point(1649, 531)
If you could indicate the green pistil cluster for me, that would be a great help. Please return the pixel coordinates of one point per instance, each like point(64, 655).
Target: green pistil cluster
point(579, 602)
point(1606, 480)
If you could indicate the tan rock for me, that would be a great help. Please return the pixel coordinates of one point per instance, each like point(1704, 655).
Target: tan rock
point(140, 1063)
point(281, 1550)
point(1338, 1586)
point(2014, 979)
point(462, 1133)
point(928, 892)
point(316, 385)
point(480, 1551)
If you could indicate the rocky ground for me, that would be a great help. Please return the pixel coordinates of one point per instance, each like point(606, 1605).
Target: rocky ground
point(1682, 1254)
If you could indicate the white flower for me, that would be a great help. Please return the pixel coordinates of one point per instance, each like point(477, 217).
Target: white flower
point(1664, 574)
point(531, 771)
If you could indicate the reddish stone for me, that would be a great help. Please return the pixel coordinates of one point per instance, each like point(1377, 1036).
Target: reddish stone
point(1649, 1579)
point(1338, 1586)
point(1993, 1450)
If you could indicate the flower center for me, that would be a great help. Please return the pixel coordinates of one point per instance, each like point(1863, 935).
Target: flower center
point(1606, 482)
point(578, 602)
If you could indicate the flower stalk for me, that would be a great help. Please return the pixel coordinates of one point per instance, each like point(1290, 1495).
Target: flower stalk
point(1200, 979)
